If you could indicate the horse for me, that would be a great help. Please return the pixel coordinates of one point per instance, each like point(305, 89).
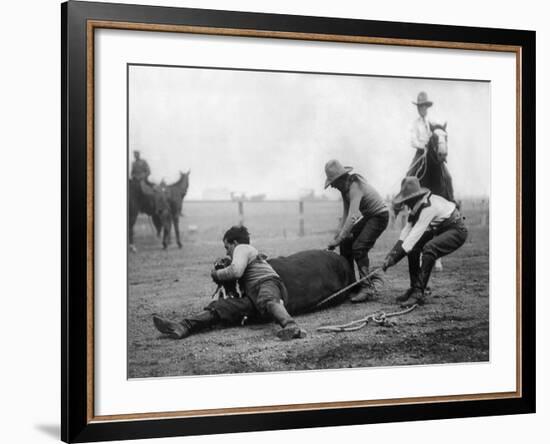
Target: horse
point(141, 200)
point(161, 202)
point(430, 167)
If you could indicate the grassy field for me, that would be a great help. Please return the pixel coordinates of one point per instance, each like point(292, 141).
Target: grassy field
point(452, 327)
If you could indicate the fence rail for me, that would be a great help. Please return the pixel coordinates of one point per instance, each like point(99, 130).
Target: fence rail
point(208, 220)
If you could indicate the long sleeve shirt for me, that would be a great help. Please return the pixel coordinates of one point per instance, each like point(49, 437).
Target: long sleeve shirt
point(140, 169)
point(362, 199)
point(427, 214)
point(248, 265)
point(420, 133)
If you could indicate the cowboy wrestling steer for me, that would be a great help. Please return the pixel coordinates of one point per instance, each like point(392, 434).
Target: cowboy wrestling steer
point(295, 284)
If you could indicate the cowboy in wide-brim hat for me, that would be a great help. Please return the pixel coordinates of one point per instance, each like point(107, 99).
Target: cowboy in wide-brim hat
point(410, 188)
point(434, 229)
point(355, 237)
point(422, 100)
point(333, 170)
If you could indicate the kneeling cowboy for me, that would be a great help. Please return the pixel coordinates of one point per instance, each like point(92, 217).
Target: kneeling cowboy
point(434, 229)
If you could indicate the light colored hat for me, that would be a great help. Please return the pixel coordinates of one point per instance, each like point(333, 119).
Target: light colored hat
point(410, 187)
point(422, 99)
point(333, 170)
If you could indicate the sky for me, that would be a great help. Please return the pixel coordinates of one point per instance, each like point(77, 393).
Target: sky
point(271, 133)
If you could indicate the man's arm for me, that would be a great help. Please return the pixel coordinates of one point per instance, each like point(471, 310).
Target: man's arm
point(352, 214)
point(417, 138)
point(237, 267)
point(427, 215)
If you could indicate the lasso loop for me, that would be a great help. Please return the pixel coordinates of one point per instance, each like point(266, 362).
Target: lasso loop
point(380, 318)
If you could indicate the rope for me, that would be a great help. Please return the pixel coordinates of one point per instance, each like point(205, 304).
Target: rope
point(380, 318)
point(423, 168)
point(353, 284)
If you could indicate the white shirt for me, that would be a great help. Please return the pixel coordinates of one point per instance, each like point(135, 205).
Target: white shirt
point(438, 210)
point(420, 133)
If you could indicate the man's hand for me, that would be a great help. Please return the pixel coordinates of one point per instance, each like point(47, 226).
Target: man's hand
point(333, 244)
point(214, 276)
point(394, 256)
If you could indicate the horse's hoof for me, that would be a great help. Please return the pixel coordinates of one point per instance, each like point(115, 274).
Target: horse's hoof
point(180, 245)
point(164, 246)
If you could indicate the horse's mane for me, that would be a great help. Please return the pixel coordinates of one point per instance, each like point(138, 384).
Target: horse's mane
point(436, 126)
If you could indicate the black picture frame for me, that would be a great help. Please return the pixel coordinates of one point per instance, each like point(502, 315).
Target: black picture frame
point(77, 422)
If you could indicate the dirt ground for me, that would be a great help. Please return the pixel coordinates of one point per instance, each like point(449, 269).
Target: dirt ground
point(452, 327)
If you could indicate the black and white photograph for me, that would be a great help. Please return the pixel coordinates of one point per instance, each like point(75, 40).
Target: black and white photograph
point(297, 221)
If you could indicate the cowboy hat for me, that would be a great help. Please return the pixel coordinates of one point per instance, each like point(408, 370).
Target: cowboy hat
point(422, 100)
point(410, 187)
point(333, 170)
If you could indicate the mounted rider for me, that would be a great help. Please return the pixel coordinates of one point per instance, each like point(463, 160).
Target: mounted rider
point(140, 168)
point(365, 217)
point(434, 229)
point(420, 131)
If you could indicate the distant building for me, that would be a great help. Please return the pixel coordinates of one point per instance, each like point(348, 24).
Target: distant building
point(236, 196)
point(257, 197)
point(216, 194)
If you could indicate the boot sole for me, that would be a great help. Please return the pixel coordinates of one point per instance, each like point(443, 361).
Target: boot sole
point(168, 328)
point(287, 334)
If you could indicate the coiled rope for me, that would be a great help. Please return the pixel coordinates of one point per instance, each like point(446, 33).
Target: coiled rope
point(380, 318)
point(423, 167)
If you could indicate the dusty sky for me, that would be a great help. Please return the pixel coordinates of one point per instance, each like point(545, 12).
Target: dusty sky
point(271, 133)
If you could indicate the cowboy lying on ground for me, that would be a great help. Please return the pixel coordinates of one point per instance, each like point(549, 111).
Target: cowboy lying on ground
point(364, 219)
point(434, 229)
point(262, 286)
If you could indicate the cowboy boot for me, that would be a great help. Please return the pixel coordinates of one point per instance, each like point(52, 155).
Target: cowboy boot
point(418, 295)
point(414, 275)
point(180, 330)
point(366, 289)
point(290, 330)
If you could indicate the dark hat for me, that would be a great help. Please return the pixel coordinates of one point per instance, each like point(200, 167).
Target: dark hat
point(410, 187)
point(422, 99)
point(334, 169)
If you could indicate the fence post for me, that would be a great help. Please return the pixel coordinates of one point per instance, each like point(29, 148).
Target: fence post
point(301, 209)
point(241, 213)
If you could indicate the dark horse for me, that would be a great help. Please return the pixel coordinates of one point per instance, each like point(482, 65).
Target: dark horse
point(161, 202)
point(430, 167)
